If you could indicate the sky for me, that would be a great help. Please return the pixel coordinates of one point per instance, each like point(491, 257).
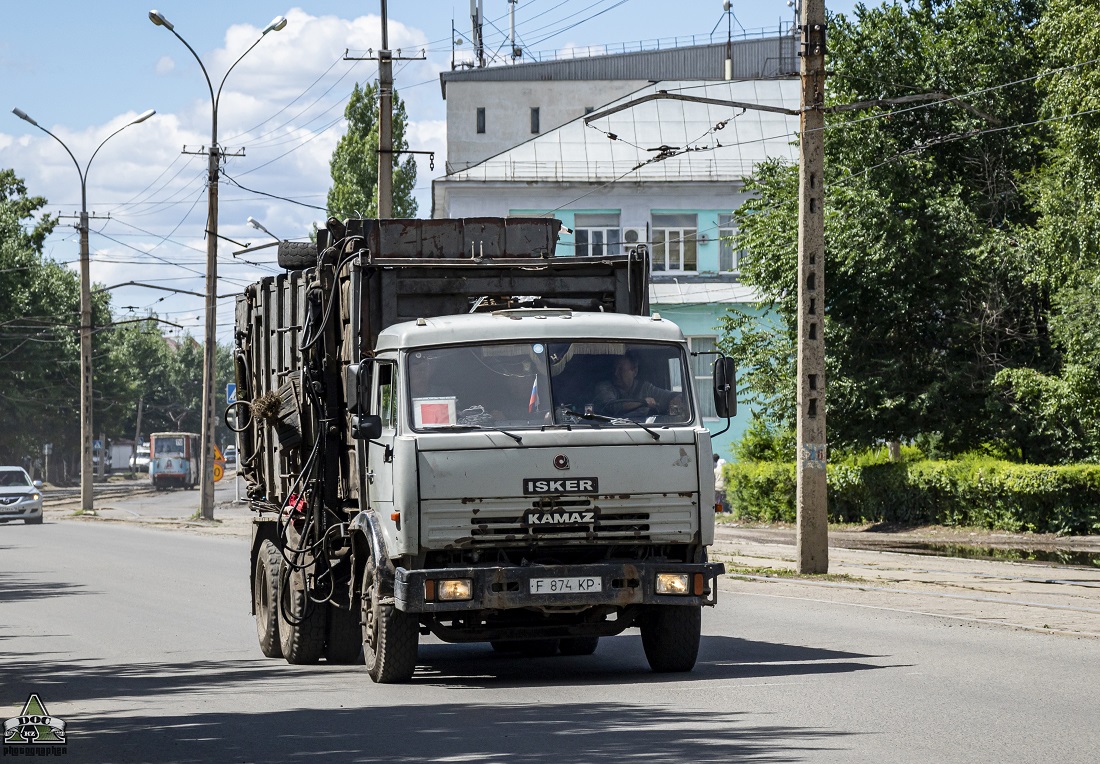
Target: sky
point(84, 69)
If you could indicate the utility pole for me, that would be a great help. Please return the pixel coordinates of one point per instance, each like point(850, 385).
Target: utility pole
point(811, 493)
point(86, 500)
point(385, 122)
point(385, 116)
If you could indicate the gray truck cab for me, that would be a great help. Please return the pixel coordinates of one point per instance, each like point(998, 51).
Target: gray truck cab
point(537, 475)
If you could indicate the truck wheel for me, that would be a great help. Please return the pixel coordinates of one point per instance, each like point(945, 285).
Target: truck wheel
point(579, 645)
point(670, 637)
point(390, 636)
point(265, 599)
point(345, 635)
point(301, 622)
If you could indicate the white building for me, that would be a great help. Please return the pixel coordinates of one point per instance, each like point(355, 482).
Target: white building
point(664, 172)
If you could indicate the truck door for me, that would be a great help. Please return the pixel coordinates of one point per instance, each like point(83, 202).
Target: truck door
point(384, 400)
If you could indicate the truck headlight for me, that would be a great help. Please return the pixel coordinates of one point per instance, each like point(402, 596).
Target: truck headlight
point(673, 583)
point(454, 589)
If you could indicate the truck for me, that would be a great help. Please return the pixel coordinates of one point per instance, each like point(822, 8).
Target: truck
point(437, 438)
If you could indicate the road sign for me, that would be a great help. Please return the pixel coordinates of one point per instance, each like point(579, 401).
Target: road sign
point(231, 393)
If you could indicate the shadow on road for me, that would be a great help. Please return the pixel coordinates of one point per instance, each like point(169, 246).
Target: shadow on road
point(15, 589)
point(527, 733)
point(620, 660)
point(380, 724)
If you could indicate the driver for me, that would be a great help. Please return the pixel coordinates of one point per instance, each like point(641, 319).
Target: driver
point(625, 394)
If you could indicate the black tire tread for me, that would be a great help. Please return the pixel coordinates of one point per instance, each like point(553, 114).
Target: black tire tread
point(295, 255)
point(268, 561)
point(398, 635)
point(670, 637)
point(302, 643)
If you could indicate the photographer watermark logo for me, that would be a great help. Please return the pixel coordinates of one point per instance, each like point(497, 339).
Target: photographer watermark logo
point(34, 732)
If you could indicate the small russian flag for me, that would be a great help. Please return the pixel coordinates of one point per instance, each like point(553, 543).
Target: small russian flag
point(533, 404)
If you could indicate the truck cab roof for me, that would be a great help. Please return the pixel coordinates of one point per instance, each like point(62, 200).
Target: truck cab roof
point(524, 324)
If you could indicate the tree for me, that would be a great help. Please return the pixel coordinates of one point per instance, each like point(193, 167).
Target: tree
point(1056, 412)
point(354, 164)
point(39, 344)
point(927, 295)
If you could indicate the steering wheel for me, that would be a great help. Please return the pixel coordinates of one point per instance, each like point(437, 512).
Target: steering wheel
point(615, 407)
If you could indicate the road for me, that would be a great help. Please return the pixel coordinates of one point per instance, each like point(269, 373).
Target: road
point(141, 639)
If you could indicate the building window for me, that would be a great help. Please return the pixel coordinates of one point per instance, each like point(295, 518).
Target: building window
point(702, 374)
point(481, 119)
point(674, 247)
point(596, 235)
point(729, 259)
point(534, 119)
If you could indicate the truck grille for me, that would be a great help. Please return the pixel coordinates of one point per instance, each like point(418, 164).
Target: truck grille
point(558, 520)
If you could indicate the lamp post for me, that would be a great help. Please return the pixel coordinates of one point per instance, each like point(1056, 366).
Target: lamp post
point(86, 501)
point(206, 501)
point(261, 227)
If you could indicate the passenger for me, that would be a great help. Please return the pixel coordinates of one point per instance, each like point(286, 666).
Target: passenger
point(627, 395)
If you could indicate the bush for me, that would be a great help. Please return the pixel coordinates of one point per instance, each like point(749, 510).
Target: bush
point(980, 492)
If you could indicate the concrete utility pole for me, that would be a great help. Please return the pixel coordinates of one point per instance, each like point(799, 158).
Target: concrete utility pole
point(813, 525)
point(86, 501)
point(385, 122)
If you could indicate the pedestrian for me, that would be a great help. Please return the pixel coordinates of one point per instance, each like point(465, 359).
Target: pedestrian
point(720, 499)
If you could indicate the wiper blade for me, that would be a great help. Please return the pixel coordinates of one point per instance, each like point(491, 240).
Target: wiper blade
point(612, 420)
point(454, 427)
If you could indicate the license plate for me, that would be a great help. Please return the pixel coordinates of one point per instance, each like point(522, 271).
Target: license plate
point(579, 585)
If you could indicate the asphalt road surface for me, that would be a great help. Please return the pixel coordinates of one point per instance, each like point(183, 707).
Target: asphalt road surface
point(141, 639)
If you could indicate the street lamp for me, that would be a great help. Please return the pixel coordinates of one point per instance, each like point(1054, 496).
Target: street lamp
point(260, 227)
point(206, 501)
point(86, 501)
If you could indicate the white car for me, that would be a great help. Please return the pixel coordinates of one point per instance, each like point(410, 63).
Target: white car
point(20, 497)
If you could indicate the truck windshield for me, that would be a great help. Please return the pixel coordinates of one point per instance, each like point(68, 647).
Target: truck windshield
point(535, 384)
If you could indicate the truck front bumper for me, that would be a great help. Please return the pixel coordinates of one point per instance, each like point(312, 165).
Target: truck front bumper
point(503, 588)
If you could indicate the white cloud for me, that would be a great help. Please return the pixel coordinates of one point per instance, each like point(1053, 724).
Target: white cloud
point(283, 104)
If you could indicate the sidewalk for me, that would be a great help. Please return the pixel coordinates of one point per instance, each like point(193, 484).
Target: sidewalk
point(1045, 598)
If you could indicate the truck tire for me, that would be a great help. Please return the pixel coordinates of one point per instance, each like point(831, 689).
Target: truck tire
point(390, 636)
point(301, 623)
point(670, 637)
point(296, 255)
point(265, 599)
point(579, 645)
point(345, 635)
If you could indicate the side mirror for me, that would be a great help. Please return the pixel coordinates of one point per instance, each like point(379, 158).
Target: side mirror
point(357, 386)
point(725, 387)
point(366, 427)
point(37, 483)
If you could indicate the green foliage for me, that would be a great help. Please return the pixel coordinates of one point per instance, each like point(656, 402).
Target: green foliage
point(354, 164)
point(761, 443)
point(927, 295)
point(39, 316)
point(978, 492)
